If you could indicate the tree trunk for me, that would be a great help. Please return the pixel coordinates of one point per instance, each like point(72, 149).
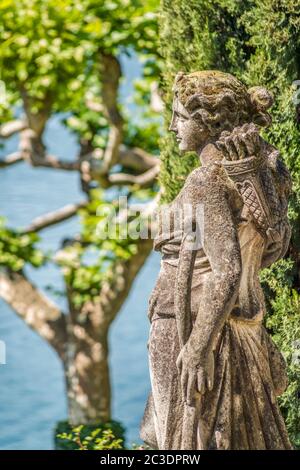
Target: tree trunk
point(86, 359)
point(87, 375)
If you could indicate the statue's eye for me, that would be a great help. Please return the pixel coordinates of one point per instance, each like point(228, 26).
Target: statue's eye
point(181, 117)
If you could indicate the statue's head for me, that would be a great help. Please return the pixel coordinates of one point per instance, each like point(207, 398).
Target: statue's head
point(207, 103)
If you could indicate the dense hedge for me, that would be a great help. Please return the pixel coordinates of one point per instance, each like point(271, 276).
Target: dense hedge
point(259, 42)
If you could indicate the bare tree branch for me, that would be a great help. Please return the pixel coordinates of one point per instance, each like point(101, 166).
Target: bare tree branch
point(54, 217)
point(137, 159)
point(50, 161)
point(156, 102)
point(114, 292)
point(10, 128)
point(34, 308)
point(11, 159)
point(134, 158)
point(110, 74)
point(37, 120)
point(145, 179)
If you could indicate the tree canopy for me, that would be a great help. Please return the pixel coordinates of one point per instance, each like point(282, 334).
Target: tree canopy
point(64, 58)
point(258, 41)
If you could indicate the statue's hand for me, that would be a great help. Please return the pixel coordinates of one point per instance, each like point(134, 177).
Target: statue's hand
point(196, 374)
point(242, 142)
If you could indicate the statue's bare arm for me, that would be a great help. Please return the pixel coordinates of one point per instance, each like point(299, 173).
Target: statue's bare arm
point(182, 295)
point(221, 246)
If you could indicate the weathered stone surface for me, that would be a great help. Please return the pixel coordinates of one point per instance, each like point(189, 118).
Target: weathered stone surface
point(215, 373)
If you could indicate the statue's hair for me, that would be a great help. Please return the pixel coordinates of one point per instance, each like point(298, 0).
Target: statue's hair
point(221, 101)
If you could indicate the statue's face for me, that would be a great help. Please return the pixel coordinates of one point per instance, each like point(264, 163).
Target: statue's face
point(191, 135)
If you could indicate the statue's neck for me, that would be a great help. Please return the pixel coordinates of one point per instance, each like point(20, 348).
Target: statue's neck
point(209, 154)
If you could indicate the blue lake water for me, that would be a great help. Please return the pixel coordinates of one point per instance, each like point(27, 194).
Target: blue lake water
point(31, 382)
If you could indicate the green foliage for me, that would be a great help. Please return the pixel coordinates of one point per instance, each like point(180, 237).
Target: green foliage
point(259, 42)
point(103, 436)
point(273, 29)
point(105, 242)
point(50, 48)
point(50, 59)
point(96, 440)
point(16, 249)
point(283, 323)
point(183, 39)
point(50, 53)
point(148, 133)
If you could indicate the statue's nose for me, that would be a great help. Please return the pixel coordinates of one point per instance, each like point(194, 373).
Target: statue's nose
point(173, 126)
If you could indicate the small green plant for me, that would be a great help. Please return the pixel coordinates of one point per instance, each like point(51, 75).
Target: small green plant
point(88, 437)
point(135, 446)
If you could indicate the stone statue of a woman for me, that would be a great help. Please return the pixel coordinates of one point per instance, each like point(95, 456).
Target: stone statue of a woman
point(215, 372)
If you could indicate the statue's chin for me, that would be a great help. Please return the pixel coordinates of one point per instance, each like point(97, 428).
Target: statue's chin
point(183, 147)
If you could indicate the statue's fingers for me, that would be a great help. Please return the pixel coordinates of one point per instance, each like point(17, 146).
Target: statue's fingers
point(210, 382)
point(184, 382)
point(252, 127)
point(191, 387)
point(220, 144)
point(231, 150)
point(179, 362)
point(239, 146)
point(251, 142)
point(254, 138)
point(224, 134)
point(211, 373)
point(245, 128)
point(258, 143)
point(245, 150)
point(227, 147)
point(201, 380)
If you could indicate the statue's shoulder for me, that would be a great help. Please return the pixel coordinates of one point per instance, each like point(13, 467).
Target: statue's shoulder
point(207, 174)
point(206, 179)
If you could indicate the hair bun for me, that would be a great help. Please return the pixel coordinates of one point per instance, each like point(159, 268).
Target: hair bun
point(260, 98)
point(179, 76)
